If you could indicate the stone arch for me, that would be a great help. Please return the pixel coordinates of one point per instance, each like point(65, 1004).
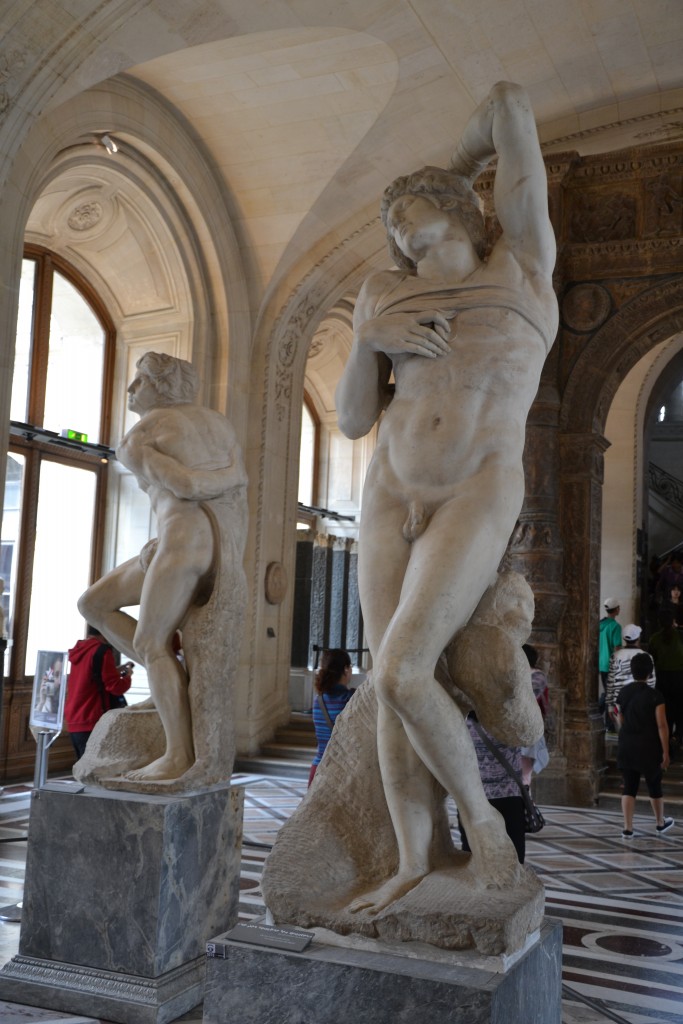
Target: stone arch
point(156, 150)
point(626, 485)
point(162, 148)
point(654, 315)
point(286, 328)
point(651, 317)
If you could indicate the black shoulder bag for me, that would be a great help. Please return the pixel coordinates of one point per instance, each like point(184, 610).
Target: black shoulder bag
point(533, 819)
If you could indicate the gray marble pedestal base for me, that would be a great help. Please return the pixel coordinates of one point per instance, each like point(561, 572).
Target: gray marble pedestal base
point(382, 984)
point(122, 892)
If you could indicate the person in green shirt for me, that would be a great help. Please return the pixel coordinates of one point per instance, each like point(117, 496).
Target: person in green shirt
point(610, 636)
point(610, 641)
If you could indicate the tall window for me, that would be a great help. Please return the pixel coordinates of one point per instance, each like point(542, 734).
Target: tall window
point(308, 455)
point(54, 492)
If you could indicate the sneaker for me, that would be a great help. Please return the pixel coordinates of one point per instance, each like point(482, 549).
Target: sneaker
point(661, 829)
point(627, 834)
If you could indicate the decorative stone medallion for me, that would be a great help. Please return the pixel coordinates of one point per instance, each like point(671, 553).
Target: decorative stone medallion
point(586, 307)
point(85, 216)
point(276, 583)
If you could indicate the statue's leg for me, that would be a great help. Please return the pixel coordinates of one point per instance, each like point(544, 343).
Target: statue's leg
point(101, 603)
point(183, 555)
point(408, 784)
point(449, 568)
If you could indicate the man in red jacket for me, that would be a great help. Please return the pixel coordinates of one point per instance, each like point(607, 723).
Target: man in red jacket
point(94, 677)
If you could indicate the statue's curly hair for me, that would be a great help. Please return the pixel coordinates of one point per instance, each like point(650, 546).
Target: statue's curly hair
point(175, 379)
point(448, 191)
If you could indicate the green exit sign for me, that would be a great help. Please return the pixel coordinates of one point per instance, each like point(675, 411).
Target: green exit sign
point(75, 435)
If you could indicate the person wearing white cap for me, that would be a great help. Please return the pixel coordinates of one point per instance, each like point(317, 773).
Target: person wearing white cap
point(620, 666)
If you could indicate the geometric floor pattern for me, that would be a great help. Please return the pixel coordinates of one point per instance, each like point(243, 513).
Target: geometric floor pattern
point(621, 903)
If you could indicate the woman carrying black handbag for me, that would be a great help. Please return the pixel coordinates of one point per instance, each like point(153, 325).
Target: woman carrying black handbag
point(500, 770)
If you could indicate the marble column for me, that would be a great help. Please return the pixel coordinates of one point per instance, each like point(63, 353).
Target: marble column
point(354, 620)
point(581, 525)
point(320, 595)
point(536, 552)
point(303, 586)
point(339, 590)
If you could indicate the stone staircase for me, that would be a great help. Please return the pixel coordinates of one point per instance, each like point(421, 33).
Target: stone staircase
point(288, 754)
point(610, 788)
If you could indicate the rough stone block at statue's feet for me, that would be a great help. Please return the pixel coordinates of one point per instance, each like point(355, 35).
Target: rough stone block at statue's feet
point(447, 909)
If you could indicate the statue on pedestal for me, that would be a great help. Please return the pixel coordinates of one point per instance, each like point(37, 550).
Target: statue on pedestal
point(188, 580)
point(465, 339)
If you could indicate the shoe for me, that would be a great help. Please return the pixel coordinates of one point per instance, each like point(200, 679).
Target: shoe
point(661, 829)
point(628, 833)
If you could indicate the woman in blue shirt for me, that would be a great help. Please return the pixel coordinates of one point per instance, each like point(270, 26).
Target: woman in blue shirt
point(332, 696)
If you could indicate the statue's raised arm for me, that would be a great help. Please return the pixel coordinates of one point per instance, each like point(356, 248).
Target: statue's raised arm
point(503, 126)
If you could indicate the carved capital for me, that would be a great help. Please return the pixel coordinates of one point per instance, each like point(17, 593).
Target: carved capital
point(582, 455)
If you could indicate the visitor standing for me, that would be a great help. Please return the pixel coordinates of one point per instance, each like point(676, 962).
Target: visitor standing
point(332, 694)
point(620, 666)
point(643, 744)
point(94, 680)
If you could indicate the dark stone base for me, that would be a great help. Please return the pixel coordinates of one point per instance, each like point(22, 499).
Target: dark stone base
point(104, 994)
point(333, 984)
point(122, 892)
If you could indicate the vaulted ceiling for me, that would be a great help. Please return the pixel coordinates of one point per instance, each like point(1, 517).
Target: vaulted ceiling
point(308, 108)
point(309, 119)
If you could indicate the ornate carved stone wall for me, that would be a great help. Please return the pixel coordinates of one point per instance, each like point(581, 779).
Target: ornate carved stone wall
point(535, 550)
point(619, 220)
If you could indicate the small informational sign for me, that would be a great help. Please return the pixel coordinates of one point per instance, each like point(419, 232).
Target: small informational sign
point(261, 935)
point(49, 691)
point(64, 786)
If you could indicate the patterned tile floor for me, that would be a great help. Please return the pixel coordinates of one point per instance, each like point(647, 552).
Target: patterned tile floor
point(621, 903)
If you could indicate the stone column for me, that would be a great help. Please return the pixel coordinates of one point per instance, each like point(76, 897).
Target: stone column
point(581, 522)
point(339, 586)
point(354, 620)
point(536, 552)
point(303, 586)
point(320, 594)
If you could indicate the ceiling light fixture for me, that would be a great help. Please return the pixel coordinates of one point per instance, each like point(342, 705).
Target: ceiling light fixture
point(109, 144)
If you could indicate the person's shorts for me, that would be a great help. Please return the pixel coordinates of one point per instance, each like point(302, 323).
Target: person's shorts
point(653, 781)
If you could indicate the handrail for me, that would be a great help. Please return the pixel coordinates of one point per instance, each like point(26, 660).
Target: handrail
point(666, 486)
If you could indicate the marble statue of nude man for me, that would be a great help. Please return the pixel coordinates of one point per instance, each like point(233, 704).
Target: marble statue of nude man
point(466, 340)
point(186, 458)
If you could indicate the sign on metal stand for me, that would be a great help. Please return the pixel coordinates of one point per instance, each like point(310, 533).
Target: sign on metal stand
point(47, 707)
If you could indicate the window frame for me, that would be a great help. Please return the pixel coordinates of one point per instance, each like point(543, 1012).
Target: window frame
point(34, 450)
point(47, 263)
point(315, 475)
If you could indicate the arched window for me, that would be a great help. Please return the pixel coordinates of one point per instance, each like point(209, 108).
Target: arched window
point(56, 474)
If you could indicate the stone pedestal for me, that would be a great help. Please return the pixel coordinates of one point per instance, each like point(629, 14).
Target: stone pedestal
point(122, 892)
point(380, 983)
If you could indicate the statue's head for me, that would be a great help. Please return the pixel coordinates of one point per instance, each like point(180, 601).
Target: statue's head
point(175, 380)
point(447, 191)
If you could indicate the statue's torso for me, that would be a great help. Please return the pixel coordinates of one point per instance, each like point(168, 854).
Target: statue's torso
point(455, 414)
